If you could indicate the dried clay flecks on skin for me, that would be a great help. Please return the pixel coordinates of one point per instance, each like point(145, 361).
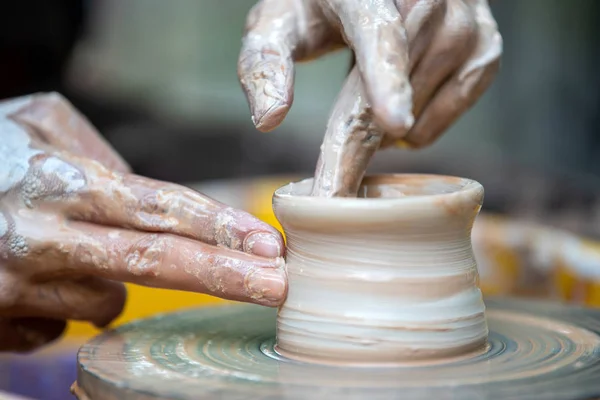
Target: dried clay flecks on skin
point(70, 178)
point(146, 260)
point(54, 180)
point(17, 246)
point(74, 224)
point(266, 284)
point(402, 94)
point(150, 205)
point(391, 41)
point(224, 226)
point(384, 279)
point(235, 278)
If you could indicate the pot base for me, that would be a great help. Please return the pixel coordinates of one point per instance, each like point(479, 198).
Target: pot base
point(535, 350)
point(415, 357)
point(461, 354)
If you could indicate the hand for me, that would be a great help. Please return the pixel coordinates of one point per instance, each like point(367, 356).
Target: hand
point(422, 63)
point(74, 223)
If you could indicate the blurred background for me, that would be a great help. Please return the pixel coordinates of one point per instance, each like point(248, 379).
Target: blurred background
point(158, 79)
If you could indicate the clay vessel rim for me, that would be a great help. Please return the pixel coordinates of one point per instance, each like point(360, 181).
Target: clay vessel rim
point(284, 193)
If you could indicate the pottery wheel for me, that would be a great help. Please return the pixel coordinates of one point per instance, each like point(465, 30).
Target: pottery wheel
point(536, 351)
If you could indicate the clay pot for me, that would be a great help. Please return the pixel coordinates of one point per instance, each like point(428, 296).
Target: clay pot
point(388, 277)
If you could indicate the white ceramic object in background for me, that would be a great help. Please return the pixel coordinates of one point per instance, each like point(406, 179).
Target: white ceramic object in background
point(388, 277)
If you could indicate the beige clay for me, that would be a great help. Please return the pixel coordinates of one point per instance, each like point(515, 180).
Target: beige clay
point(383, 278)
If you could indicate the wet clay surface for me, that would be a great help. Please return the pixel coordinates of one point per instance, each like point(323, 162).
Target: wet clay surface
point(535, 350)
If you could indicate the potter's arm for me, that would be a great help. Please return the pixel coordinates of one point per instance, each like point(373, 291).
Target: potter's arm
point(420, 64)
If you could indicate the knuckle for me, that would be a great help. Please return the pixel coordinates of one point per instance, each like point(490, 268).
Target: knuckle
point(220, 275)
point(158, 202)
point(363, 129)
point(50, 178)
point(476, 76)
point(146, 256)
point(226, 231)
point(157, 209)
point(53, 99)
point(87, 252)
point(460, 25)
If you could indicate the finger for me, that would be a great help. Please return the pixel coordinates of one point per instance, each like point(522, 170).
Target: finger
point(422, 19)
point(91, 299)
point(156, 260)
point(54, 119)
point(374, 30)
point(87, 191)
point(277, 33)
point(265, 65)
point(466, 86)
point(350, 141)
point(450, 47)
point(27, 334)
point(154, 206)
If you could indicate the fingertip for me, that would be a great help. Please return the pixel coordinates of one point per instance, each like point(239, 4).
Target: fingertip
point(264, 244)
point(267, 286)
point(269, 93)
point(271, 118)
point(242, 231)
point(394, 112)
point(267, 78)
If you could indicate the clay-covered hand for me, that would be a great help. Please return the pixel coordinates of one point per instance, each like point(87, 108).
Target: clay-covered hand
point(422, 63)
point(74, 223)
